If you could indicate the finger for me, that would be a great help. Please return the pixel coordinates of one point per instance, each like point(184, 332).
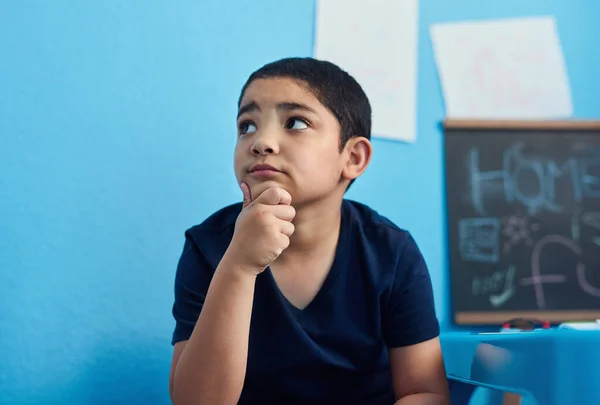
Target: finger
point(283, 212)
point(283, 241)
point(274, 196)
point(246, 194)
point(287, 228)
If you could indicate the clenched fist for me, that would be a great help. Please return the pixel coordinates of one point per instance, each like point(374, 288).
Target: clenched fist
point(263, 228)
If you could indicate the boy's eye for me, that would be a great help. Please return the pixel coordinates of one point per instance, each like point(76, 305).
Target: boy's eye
point(247, 128)
point(296, 123)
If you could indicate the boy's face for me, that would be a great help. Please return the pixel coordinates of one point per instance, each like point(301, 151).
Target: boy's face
point(282, 125)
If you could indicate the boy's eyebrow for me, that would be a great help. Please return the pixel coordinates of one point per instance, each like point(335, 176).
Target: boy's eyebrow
point(289, 106)
point(246, 108)
point(286, 106)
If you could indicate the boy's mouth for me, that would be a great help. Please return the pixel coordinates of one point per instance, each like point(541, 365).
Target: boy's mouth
point(264, 168)
point(263, 171)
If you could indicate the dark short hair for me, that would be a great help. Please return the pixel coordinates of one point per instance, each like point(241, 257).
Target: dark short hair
point(337, 90)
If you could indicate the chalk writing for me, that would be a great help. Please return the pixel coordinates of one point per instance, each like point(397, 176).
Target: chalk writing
point(575, 226)
point(499, 286)
point(489, 284)
point(532, 180)
point(591, 219)
point(585, 285)
point(479, 239)
point(493, 181)
point(509, 289)
point(538, 279)
point(591, 182)
point(517, 229)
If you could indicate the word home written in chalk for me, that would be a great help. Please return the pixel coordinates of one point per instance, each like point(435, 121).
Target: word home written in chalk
point(533, 180)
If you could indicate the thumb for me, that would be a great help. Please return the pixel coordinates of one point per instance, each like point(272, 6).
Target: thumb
point(246, 193)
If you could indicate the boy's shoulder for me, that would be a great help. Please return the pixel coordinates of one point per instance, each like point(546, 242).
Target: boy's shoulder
point(213, 235)
point(384, 249)
point(220, 221)
point(372, 225)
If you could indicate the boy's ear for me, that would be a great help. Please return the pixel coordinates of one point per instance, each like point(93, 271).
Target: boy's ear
point(358, 151)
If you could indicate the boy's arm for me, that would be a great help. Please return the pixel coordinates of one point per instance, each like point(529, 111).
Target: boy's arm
point(212, 365)
point(418, 374)
point(411, 331)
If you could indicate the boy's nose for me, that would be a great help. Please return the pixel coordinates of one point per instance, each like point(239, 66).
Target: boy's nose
point(264, 145)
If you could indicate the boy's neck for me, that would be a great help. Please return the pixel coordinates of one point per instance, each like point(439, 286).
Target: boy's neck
point(316, 227)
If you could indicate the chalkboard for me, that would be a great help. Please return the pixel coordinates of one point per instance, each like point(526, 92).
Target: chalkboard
point(523, 220)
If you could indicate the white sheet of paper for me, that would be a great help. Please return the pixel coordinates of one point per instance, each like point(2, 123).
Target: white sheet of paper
point(502, 69)
point(376, 42)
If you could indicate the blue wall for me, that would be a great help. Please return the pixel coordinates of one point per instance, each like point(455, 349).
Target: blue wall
point(116, 134)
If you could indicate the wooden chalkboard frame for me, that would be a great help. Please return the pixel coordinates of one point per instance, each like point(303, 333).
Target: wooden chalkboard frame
point(564, 125)
point(499, 317)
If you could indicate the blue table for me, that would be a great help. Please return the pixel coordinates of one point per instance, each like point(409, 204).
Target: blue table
point(550, 367)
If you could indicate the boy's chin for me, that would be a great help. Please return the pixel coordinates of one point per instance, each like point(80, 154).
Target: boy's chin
point(259, 187)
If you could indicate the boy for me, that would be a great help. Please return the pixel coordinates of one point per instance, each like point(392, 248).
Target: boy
point(297, 296)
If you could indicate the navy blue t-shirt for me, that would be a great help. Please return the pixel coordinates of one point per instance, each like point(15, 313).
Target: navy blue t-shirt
point(377, 295)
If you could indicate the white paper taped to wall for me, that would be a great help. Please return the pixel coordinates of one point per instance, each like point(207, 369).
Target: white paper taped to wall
point(376, 42)
point(502, 69)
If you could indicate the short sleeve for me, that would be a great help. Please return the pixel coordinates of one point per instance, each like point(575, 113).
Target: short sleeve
point(409, 313)
point(192, 280)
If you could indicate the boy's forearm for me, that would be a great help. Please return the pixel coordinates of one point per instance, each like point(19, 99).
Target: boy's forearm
point(212, 367)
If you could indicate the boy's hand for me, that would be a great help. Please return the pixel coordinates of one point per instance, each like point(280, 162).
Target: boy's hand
point(263, 228)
